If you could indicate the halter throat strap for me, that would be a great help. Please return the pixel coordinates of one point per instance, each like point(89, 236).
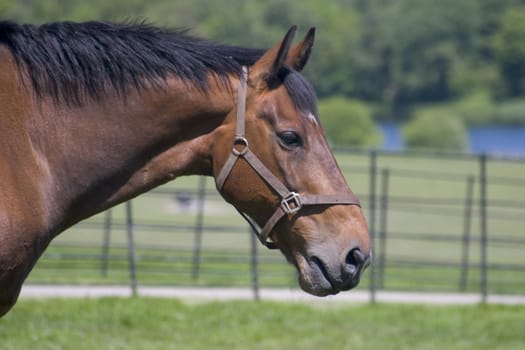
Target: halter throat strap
point(291, 202)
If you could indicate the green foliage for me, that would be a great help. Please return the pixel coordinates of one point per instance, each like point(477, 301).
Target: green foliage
point(37, 11)
point(474, 109)
point(468, 77)
point(479, 108)
point(5, 6)
point(510, 112)
point(395, 54)
point(348, 122)
point(409, 48)
point(439, 130)
point(509, 45)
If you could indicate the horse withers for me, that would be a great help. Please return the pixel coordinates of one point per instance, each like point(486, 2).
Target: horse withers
point(93, 114)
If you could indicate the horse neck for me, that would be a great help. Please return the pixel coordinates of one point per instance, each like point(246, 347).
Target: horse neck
point(104, 153)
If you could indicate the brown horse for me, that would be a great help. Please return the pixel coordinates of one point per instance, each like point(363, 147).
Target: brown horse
point(94, 114)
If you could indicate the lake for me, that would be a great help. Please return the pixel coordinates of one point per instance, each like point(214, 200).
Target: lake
point(495, 140)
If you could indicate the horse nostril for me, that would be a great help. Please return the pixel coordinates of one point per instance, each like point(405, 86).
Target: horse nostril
point(355, 260)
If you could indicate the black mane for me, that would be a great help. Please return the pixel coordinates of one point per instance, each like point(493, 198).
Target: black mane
point(75, 61)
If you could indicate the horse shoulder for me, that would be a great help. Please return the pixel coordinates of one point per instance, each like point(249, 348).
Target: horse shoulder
point(24, 232)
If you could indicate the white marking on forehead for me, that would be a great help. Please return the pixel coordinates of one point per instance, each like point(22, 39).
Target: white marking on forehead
point(311, 118)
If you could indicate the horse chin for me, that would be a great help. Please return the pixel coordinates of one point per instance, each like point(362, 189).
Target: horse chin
point(312, 279)
point(320, 279)
point(318, 289)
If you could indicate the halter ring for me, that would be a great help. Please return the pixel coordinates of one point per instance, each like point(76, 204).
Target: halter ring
point(242, 143)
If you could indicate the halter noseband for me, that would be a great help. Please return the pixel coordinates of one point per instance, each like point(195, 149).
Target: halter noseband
point(291, 202)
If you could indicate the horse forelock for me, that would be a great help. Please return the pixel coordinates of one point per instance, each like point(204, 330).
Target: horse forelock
point(302, 95)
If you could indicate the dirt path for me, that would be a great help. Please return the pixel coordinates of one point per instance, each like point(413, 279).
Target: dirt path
point(209, 294)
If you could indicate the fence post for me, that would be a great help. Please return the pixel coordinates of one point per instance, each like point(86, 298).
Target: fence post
point(383, 223)
point(199, 224)
point(106, 241)
point(132, 258)
point(255, 265)
point(467, 217)
point(371, 220)
point(483, 225)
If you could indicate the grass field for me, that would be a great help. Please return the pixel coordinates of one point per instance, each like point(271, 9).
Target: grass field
point(144, 323)
point(425, 225)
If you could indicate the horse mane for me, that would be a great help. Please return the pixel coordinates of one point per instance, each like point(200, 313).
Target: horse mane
point(72, 62)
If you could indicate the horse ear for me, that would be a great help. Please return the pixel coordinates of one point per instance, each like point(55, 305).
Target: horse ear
point(299, 54)
point(266, 69)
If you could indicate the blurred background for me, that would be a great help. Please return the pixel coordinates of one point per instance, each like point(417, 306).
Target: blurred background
point(397, 74)
point(424, 103)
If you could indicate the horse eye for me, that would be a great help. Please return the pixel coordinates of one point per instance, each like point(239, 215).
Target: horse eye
point(290, 139)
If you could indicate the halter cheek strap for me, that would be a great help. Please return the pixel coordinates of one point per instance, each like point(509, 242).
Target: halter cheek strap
point(291, 202)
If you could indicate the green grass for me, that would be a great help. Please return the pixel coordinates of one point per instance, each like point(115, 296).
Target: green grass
point(144, 323)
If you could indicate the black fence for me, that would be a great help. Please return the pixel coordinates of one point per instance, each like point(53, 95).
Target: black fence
point(465, 200)
point(447, 223)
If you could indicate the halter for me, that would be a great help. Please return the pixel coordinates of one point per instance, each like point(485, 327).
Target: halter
point(291, 202)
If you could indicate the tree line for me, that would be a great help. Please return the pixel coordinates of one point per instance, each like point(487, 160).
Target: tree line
point(394, 58)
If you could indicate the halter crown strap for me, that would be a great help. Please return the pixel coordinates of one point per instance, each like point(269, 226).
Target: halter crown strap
point(239, 140)
point(291, 202)
point(241, 102)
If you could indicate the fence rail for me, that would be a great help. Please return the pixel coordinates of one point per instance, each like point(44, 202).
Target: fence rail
point(437, 223)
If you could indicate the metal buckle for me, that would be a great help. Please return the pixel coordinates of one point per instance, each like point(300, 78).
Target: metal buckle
point(242, 143)
point(291, 203)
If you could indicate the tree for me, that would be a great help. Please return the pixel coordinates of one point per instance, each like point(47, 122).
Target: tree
point(509, 47)
point(38, 11)
point(432, 129)
point(409, 49)
point(5, 6)
point(348, 122)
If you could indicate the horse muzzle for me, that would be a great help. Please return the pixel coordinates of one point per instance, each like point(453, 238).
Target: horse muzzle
point(322, 276)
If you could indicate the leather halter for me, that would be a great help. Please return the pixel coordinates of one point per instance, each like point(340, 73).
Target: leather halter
point(291, 202)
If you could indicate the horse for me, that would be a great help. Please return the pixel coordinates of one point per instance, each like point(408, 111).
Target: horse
point(93, 114)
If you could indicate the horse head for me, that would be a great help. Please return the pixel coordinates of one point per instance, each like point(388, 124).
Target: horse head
point(273, 163)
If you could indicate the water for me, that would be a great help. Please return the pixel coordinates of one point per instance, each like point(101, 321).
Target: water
point(495, 140)
point(506, 140)
point(392, 138)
